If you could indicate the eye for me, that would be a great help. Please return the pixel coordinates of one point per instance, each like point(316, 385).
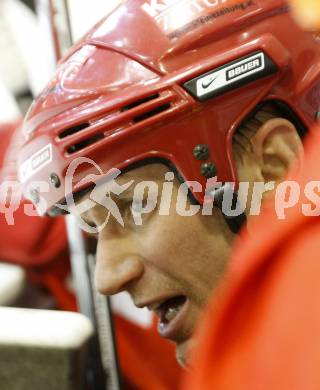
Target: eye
point(91, 224)
point(132, 211)
point(87, 226)
point(137, 207)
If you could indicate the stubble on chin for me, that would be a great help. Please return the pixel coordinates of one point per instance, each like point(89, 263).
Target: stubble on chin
point(184, 353)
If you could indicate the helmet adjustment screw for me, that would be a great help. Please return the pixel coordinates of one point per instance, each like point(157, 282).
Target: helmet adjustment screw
point(201, 152)
point(55, 180)
point(35, 196)
point(208, 170)
point(318, 116)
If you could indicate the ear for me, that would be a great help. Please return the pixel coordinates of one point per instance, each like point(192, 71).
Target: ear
point(277, 146)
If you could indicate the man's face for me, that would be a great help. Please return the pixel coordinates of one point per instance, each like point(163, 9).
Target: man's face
point(170, 263)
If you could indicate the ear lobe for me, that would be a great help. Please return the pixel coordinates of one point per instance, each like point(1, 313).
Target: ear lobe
point(277, 146)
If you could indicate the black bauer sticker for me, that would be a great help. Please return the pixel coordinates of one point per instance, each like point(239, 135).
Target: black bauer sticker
point(230, 76)
point(244, 68)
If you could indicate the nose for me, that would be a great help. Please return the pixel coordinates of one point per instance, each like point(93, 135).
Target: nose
point(116, 268)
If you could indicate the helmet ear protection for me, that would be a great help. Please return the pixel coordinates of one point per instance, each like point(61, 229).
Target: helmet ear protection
point(119, 101)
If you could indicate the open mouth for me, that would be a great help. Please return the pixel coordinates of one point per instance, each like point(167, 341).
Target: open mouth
point(171, 315)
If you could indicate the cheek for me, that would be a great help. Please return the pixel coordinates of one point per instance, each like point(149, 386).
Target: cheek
point(187, 251)
point(169, 238)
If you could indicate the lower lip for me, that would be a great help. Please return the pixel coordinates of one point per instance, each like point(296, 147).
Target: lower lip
point(172, 329)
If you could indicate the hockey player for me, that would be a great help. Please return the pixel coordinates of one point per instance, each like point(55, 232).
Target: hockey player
point(203, 93)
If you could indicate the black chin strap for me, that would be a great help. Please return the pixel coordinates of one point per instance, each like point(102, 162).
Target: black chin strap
point(235, 223)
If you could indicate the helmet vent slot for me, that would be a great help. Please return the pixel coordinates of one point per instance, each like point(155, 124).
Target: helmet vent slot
point(151, 113)
point(85, 143)
point(139, 102)
point(128, 118)
point(73, 130)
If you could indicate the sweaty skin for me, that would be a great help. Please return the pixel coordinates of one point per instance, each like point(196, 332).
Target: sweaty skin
point(172, 255)
point(169, 255)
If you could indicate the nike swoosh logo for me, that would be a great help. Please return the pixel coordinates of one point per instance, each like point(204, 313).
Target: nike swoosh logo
point(206, 84)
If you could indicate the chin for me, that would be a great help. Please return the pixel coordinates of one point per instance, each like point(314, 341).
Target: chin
point(183, 353)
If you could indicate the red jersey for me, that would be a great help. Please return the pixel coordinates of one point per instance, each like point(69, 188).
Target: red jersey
point(263, 330)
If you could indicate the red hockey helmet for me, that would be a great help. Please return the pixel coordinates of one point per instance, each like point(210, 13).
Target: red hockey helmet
point(169, 80)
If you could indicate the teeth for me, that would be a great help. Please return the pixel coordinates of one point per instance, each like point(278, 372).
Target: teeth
point(171, 313)
point(155, 306)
